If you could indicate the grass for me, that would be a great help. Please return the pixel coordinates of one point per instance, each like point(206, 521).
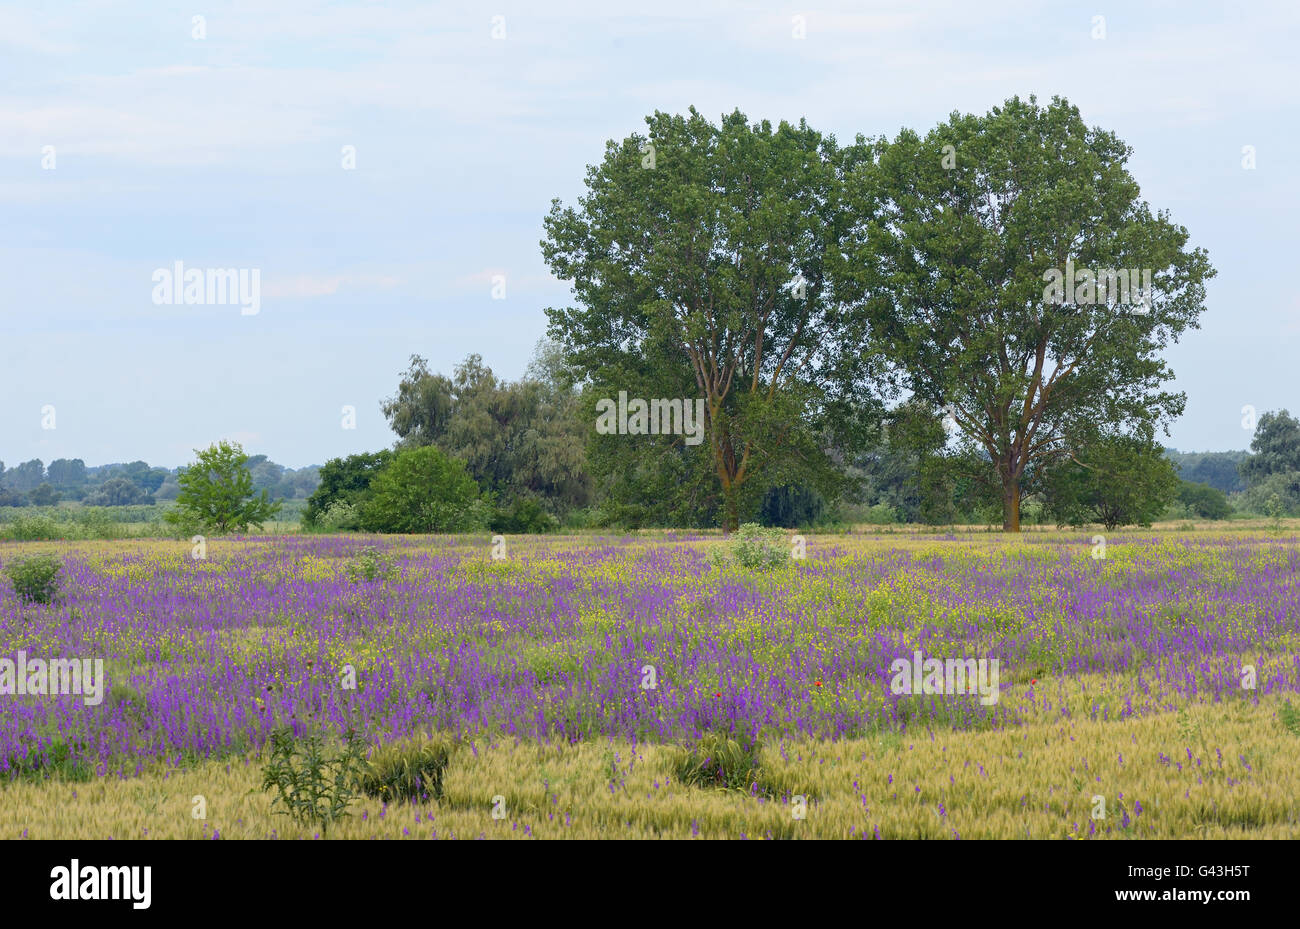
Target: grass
point(1226, 773)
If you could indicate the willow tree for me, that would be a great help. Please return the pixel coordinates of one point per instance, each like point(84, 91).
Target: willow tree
point(1012, 275)
point(698, 256)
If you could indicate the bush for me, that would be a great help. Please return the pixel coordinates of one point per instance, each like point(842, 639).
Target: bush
point(38, 528)
point(1290, 717)
point(423, 490)
point(524, 516)
point(584, 518)
point(882, 514)
point(35, 579)
point(759, 549)
point(313, 789)
point(1279, 491)
point(339, 516)
point(722, 761)
point(407, 771)
point(1204, 501)
point(61, 760)
point(98, 523)
point(370, 565)
point(344, 481)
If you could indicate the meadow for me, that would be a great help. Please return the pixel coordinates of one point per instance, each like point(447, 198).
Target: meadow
point(646, 686)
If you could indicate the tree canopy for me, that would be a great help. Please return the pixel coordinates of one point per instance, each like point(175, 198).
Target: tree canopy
point(217, 492)
point(698, 259)
point(954, 236)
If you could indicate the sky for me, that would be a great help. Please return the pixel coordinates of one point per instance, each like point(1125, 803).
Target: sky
point(133, 136)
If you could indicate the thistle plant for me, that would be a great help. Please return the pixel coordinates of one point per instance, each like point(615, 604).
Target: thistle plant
point(313, 789)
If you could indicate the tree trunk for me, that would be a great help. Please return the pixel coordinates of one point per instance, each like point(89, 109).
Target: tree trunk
point(731, 511)
point(730, 477)
point(1011, 506)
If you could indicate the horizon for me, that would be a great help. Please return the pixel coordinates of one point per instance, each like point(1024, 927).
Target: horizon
point(317, 464)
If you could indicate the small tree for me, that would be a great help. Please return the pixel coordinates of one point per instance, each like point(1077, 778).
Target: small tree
point(1120, 481)
point(423, 490)
point(217, 492)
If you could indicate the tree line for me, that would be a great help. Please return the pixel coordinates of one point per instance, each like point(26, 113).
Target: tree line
point(136, 483)
point(887, 318)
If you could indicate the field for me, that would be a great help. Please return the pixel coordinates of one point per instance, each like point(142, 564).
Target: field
point(641, 686)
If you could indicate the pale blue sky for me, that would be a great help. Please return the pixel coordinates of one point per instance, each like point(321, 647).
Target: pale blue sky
point(226, 152)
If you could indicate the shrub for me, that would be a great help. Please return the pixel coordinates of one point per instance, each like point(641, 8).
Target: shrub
point(1275, 509)
point(719, 760)
point(98, 523)
point(1120, 481)
point(422, 490)
point(407, 771)
point(758, 548)
point(313, 789)
point(35, 579)
point(344, 481)
point(38, 528)
point(524, 516)
point(1204, 501)
point(339, 516)
point(370, 565)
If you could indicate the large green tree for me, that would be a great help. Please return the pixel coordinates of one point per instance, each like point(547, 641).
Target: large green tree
point(1220, 470)
point(1203, 500)
point(66, 473)
point(697, 258)
point(118, 491)
point(958, 239)
point(217, 492)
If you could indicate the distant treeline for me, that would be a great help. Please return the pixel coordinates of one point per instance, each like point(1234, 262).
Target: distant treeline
point(538, 461)
point(532, 450)
point(136, 483)
point(1217, 469)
